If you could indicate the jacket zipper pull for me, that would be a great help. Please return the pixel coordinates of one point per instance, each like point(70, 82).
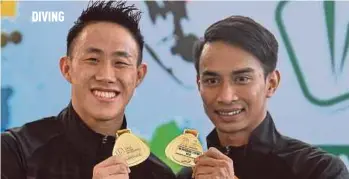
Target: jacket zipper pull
point(227, 150)
point(105, 138)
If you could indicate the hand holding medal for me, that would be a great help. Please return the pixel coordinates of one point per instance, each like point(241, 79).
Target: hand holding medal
point(128, 151)
point(187, 151)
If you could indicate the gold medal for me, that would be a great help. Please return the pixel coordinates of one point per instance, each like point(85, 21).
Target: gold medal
point(184, 148)
point(130, 147)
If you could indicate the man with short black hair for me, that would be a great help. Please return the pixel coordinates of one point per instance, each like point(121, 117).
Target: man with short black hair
point(104, 66)
point(236, 74)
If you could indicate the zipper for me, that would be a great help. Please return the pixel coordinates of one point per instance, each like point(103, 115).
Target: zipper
point(227, 150)
point(105, 139)
point(99, 156)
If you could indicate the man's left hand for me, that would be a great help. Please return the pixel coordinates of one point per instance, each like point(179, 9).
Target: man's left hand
point(213, 165)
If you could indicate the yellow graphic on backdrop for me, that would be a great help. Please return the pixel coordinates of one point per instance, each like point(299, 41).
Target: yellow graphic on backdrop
point(8, 8)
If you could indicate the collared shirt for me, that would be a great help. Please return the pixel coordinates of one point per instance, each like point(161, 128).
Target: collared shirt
point(64, 147)
point(271, 155)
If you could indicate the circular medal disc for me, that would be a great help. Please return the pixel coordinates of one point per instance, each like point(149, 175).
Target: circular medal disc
point(131, 148)
point(184, 149)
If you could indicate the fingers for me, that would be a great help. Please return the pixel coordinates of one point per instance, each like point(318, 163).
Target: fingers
point(119, 176)
point(214, 157)
point(213, 164)
point(103, 172)
point(112, 166)
point(206, 161)
point(212, 172)
point(113, 160)
point(215, 153)
point(204, 170)
point(115, 169)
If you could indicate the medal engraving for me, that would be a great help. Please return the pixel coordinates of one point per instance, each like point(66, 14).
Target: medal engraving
point(184, 148)
point(130, 147)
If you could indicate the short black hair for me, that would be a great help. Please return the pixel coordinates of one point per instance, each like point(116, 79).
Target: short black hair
point(244, 33)
point(109, 11)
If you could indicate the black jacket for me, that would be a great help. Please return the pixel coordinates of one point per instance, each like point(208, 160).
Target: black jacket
point(64, 147)
point(270, 155)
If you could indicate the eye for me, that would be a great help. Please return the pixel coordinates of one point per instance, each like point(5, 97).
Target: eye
point(121, 63)
point(242, 79)
point(211, 81)
point(92, 60)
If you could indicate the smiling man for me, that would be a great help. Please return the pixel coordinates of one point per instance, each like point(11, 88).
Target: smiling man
point(104, 66)
point(236, 74)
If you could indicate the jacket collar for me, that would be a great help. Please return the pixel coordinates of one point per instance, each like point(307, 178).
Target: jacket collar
point(83, 138)
point(263, 139)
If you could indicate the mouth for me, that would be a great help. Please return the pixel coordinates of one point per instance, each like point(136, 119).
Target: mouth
point(229, 112)
point(105, 94)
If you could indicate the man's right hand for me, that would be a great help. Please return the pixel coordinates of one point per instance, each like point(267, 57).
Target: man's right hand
point(113, 167)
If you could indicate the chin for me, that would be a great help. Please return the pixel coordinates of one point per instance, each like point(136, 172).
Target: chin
point(105, 115)
point(226, 130)
point(231, 128)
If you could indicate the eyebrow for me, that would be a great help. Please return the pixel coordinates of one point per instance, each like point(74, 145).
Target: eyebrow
point(209, 73)
point(116, 53)
point(235, 72)
point(241, 71)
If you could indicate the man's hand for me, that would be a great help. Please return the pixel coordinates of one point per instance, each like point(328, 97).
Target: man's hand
point(113, 167)
point(213, 165)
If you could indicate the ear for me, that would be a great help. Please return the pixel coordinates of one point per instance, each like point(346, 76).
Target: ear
point(273, 82)
point(65, 66)
point(142, 70)
point(198, 81)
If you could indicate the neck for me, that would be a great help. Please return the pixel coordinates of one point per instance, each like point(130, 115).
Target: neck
point(235, 139)
point(104, 127)
point(238, 138)
point(101, 126)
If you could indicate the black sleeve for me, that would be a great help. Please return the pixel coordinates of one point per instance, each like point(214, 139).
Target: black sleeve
point(163, 173)
point(152, 168)
point(11, 160)
point(330, 167)
point(185, 173)
point(168, 174)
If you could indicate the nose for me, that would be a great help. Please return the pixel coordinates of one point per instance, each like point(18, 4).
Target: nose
point(105, 73)
point(227, 94)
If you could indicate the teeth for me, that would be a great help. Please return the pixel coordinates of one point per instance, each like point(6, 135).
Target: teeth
point(231, 113)
point(104, 94)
